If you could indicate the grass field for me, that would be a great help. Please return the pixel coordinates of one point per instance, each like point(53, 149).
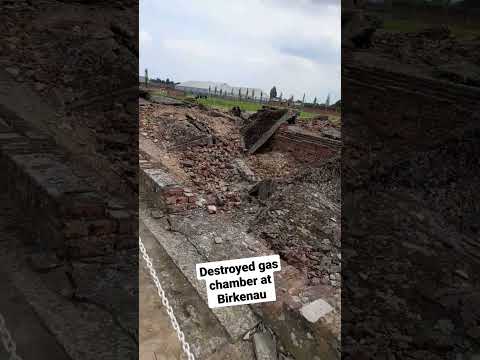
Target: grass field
point(229, 103)
point(222, 103)
point(244, 105)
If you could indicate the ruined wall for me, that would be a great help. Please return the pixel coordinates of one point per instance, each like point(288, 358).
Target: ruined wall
point(161, 192)
point(260, 126)
point(307, 149)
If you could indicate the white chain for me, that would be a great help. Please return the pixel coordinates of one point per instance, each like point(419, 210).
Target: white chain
point(161, 293)
point(7, 340)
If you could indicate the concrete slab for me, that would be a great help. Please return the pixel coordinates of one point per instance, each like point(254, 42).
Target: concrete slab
point(315, 310)
point(236, 320)
point(160, 177)
point(263, 126)
point(202, 330)
point(265, 348)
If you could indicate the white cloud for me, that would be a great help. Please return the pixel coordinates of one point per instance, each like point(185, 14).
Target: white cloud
point(292, 44)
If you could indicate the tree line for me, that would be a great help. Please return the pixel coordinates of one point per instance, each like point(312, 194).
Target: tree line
point(167, 82)
point(327, 103)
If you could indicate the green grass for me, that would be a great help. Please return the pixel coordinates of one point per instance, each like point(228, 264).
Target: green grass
point(220, 103)
point(158, 92)
point(229, 103)
point(244, 105)
point(307, 115)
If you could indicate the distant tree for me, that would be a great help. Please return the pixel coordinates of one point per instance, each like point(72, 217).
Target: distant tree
point(231, 93)
point(315, 101)
point(290, 100)
point(246, 95)
point(209, 90)
point(253, 94)
point(273, 92)
point(303, 99)
point(221, 90)
point(281, 96)
point(327, 101)
point(261, 96)
point(338, 105)
point(215, 90)
point(239, 93)
point(146, 77)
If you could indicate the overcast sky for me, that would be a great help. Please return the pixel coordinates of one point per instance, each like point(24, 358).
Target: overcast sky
point(292, 44)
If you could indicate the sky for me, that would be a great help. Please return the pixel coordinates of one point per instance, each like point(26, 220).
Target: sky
point(292, 44)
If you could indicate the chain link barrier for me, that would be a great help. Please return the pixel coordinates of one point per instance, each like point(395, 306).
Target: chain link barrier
point(7, 340)
point(166, 304)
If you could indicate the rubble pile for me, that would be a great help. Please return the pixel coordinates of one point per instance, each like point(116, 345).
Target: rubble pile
point(297, 205)
point(319, 124)
point(245, 197)
point(301, 222)
point(314, 124)
point(212, 171)
point(176, 125)
point(170, 128)
point(327, 178)
point(274, 165)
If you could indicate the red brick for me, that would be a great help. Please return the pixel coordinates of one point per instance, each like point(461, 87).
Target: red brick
point(174, 191)
point(191, 198)
point(181, 200)
point(171, 200)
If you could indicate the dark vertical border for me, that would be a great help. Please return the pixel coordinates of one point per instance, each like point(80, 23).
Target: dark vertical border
point(410, 246)
point(69, 185)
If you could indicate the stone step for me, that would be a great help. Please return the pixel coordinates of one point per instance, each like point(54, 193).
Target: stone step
point(205, 334)
point(236, 320)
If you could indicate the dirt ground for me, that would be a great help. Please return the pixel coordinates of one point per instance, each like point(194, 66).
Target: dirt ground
point(158, 340)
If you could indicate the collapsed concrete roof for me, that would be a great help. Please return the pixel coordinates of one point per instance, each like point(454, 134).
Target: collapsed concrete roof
point(262, 125)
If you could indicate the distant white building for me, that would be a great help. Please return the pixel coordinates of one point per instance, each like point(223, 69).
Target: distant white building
point(205, 87)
